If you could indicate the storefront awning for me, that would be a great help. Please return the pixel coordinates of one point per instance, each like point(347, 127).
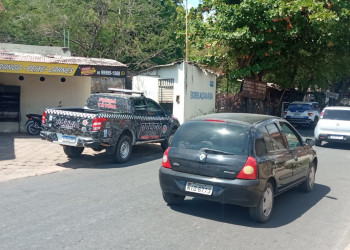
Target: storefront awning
point(27, 63)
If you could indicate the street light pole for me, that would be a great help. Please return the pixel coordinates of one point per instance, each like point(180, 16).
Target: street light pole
point(186, 34)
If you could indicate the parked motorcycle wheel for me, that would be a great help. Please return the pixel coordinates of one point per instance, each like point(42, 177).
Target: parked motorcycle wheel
point(33, 128)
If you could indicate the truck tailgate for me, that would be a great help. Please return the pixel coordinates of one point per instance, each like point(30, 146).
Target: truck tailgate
point(69, 123)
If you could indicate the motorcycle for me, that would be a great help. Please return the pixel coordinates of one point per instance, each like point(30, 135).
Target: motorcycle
point(33, 124)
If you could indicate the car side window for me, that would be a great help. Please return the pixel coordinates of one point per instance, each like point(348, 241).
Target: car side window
point(140, 107)
point(276, 137)
point(267, 139)
point(292, 138)
point(154, 109)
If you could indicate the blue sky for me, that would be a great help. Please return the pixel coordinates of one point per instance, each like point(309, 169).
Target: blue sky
point(192, 3)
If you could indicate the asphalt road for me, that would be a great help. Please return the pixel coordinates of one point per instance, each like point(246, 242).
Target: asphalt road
point(108, 206)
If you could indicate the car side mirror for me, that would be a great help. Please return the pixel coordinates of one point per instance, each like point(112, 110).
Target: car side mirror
point(168, 113)
point(311, 142)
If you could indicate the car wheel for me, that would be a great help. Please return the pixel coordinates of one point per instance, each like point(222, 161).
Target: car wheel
point(318, 143)
point(262, 213)
point(123, 150)
point(73, 152)
point(166, 143)
point(308, 184)
point(173, 199)
point(314, 123)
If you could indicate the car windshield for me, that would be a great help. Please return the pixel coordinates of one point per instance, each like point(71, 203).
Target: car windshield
point(212, 137)
point(299, 107)
point(337, 114)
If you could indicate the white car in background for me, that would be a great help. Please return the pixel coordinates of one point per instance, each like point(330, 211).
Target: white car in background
point(333, 126)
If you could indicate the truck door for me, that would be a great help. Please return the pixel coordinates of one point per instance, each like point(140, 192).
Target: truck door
point(158, 120)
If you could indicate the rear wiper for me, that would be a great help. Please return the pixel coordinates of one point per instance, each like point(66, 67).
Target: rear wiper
point(215, 151)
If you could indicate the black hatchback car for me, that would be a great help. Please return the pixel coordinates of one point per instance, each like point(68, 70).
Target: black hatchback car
point(241, 159)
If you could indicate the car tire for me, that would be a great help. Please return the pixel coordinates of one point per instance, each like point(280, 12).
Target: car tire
point(173, 199)
point(314, 123)
point(73, 152)
point(262, 213)
point(318, 143)
point(308, 184)
point(123, 150)
point(166, 143)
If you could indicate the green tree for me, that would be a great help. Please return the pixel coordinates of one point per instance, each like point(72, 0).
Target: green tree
point(294, 43)
point(136, 32)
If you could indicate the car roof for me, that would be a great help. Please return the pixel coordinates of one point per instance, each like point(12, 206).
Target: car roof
point(243, 118)
point(337, 108)
point(303, 102)
point(126, 96)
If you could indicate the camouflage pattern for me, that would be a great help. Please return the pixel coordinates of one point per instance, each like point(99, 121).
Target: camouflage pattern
point(66, 124)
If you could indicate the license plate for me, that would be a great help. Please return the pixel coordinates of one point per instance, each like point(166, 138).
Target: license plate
point(199, 188)
point(69, 139)
point(337, 137)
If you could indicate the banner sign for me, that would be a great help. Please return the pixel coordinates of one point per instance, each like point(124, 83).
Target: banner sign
point(106, 71)
point(61, 69)
point(254, 89)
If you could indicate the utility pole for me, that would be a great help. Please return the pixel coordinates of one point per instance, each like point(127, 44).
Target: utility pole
point(186, 34)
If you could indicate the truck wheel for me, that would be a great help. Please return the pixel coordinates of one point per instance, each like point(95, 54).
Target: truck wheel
point(73, 152)
point(123, 150)
point(262, 213)
point(166, 143)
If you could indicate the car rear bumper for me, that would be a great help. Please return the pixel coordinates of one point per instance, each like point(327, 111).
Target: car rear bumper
point(246, 193)
point(301, 121)
point(333, 137)
point(79, 142)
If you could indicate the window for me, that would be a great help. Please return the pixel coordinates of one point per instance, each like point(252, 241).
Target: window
point(154, 109)
point(267, 139)
point(276, 137)
point(292, 138)
point(337, 114)
point(140, 107)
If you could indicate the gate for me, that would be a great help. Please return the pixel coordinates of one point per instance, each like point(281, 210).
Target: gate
point(166, 93)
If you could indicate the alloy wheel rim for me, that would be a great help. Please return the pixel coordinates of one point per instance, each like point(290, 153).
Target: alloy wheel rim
point(124, 149)
point(267, 202)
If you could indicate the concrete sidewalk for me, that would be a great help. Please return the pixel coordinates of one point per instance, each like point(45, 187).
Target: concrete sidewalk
point(23, 155)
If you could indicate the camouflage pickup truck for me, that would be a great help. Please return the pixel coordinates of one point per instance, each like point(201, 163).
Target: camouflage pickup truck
point(113, 121)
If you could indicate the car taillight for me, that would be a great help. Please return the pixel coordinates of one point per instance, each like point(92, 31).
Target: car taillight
point(165, 161)
point(322, 113)
point(97, 123)
point(310, 114)
point(249, 171)
point(43, 118)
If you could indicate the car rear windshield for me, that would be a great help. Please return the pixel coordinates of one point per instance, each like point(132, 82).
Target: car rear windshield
point(108, 103)
point(299, 107)
point(337, 114)
point(220, 137)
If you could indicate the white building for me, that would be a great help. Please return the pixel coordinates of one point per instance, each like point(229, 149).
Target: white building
point(33, 78)
point(183, 88)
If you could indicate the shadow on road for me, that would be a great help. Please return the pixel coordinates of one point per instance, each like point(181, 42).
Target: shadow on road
point(333, 145)
point(288, 207)
point(141, 154)
point(305, 131)
point(7, 144)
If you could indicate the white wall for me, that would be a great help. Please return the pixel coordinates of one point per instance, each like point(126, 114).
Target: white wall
point(147, 84)
point(200, 93)
point(195, 99)
point(37, 95)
